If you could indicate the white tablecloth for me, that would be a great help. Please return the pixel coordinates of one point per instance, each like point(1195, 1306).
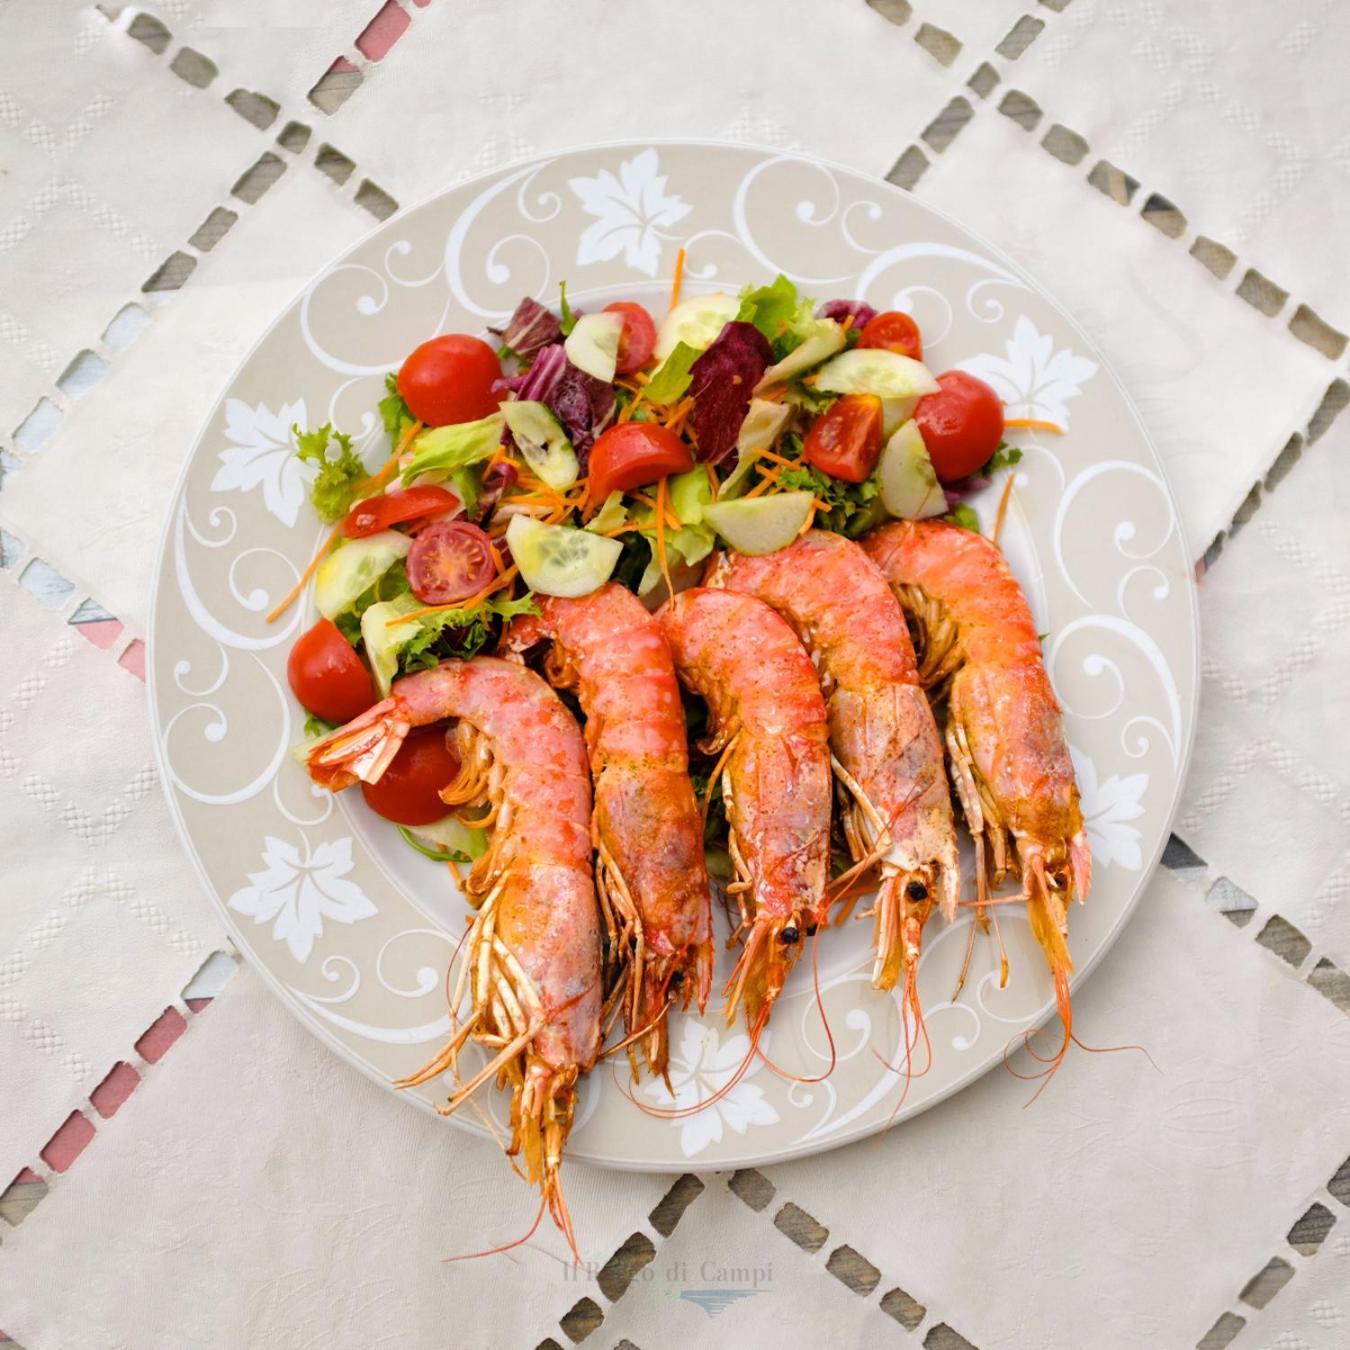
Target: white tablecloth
point(190, 1168)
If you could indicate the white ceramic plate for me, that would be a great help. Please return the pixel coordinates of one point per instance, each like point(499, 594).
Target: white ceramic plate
point(353, 929)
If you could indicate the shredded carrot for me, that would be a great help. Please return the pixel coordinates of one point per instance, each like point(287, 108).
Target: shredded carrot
point(675, 418)
point(773, 394)
point(496, 558)
point(847, 323)
point(455, 872)
point(770, 479)
point(306, 574)
point(1031, 424)
point(504, 580)
point(661, 533)
point(778, 459)
point(1003, 506)
point(713, 484)
point(678, 280)
point(810, 518)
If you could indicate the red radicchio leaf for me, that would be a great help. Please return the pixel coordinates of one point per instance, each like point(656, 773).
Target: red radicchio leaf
point(538, 382)
point(722, 381)
point(839, 310)
point(529, 328)
point(498, 478)
point(583, 405)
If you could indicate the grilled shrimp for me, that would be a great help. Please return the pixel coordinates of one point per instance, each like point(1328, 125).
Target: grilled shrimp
point(650, 872)
point(978, 648)
point(887, 754)
point(770, 732)
point(532, 954)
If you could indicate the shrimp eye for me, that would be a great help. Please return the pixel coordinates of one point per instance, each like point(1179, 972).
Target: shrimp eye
point(676, 979)
point(789, 936)
point(916, 891)
point(811, 929)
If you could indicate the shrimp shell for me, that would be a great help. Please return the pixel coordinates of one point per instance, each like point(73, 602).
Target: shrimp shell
point(770, 727)
point(648, 837)
point(1005, 731)
point(889, 761)
point(532, 953)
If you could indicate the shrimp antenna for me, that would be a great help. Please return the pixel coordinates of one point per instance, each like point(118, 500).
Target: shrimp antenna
point(909, 1003)
point(680, 1112)
point(638, 1034)
point(506, 1246)
point(1052, 1062)
point(825, 1022)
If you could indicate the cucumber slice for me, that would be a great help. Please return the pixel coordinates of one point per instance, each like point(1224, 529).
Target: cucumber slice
point(560, 559)
point(593, 344)
point(542, 442)
point(760, 524)
point(383, 639)
point(447, 837)
point(909, 487)
point(354, 568)
point(760, 428)
point(825, 338)
point(895, 412)
point(688, 493)
point(696, 322)
point(874, 370)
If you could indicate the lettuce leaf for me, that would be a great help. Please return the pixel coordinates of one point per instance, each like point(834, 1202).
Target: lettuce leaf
point(963, 514)
point(778, 312)
point(447, 449)
point(458, 633)
point(394, 412)
point(569, 320)
point(339, 480)
point(672, 377)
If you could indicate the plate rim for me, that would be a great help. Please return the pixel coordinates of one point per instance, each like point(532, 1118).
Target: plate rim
point(804, 1148)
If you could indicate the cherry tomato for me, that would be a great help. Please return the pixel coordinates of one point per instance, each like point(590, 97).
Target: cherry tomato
point(638, 336)
point(394, 508)
point(327, 676)
point(408, 791)
point(845, 440)
point(962, 424)
point(634, 453)
point(450, 560)
point(449, 379)
point(895, 332)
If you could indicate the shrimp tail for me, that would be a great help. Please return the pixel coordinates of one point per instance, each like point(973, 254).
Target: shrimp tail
point(361, 750)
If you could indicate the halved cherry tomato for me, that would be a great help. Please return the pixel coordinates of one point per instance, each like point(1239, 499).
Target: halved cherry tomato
point(449, 379)
point(634, 453)
point(638, 336)
point(394, 508)
point(408, 791)
point(845, 440)
point(962, 424)
point(450, 560)
point(895, 332)
point(327, 676)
